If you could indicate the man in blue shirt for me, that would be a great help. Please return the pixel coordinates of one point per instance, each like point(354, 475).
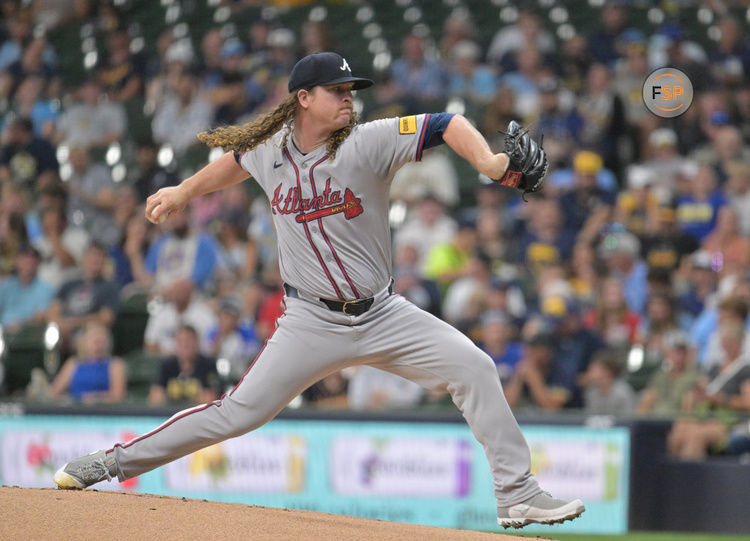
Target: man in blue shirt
point(181, 253)
point(24, 298)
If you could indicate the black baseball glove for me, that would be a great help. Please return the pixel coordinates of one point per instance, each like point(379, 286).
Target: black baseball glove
point(528, 161)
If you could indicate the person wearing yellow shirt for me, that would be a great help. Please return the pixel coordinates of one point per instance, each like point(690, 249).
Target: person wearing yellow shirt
point(449, 261)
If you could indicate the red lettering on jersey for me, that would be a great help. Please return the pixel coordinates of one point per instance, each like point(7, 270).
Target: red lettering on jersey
point(328, 203)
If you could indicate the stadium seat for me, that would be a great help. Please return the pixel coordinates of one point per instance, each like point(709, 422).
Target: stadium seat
point(130, 324)
point(24, 352)
point(141, 368)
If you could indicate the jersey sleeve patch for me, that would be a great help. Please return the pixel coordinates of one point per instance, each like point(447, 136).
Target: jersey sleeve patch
point(407, 125)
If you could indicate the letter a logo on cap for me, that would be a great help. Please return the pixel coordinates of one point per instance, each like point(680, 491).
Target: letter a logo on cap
point(345, 66)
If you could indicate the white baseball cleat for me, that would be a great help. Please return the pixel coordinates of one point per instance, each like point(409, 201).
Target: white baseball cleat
point(539, 509)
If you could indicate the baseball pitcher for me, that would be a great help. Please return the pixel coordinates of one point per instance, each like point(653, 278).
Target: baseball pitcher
point(327, 179)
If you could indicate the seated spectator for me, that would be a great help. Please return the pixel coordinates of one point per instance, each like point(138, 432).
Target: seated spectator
point(180, 252)
point(536, 382)
point(725, 393)
point(93, 375)
point(91, 121)
point(738, 189)
point(31, 103)
point(37, 59)
point(621, 254)
point(180, 306)
point(374, 389)
point(584, 274)
point(449, 261)
point(91, 198)
point(698, 291)
point(227, 91)
point(434, 175)
point(664, 244)
point(233, 338)
point(698, 208)
point(426, 228)
point(603, 113)
point(186, 376)
point(629, 73)
point(416, 74)
point(330, 392)
point(665, 163)
point(61, 247)
point(17, 32)
point(127, 207)
point(388, 101)
point(24, 297)
point(729, 248)
point(462, 301)
point(128, 256)
point(638, 202)
point(94, 297)
point(186, 113)
point(667, 389)
point(585, 163)
point(527, 72)
point(560, 123)
point(605, 392)
point(660, 319)
point(12, 235)
point(150, 176)
point(468, 77)
point(499, 112)
point(497, 339)
point(574, 345)
point(611, 317)
point(121, 71)
point(38, 168)
point(733, 309)
point(408, 282)
point(527, 32)
point(237, 256)
point(586, 206)
point(546, 240)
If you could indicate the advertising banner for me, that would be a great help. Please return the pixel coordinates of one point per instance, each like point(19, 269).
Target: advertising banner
point(29, 458)
point(253, 463)
point(434, 474)
point(424, 467)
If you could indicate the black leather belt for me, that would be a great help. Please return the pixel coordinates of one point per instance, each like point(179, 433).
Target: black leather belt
point(351, 308)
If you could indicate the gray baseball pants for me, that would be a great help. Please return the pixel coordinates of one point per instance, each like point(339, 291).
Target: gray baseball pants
point(311, 342)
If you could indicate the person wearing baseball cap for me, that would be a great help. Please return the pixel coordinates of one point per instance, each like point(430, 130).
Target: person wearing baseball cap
point(327, 179)
point(325, 68)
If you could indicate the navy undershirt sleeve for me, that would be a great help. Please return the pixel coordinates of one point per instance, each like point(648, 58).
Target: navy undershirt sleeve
point(237, 157)
point(436, 124)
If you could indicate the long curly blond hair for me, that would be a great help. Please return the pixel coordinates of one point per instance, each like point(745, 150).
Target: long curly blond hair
point(258, 131)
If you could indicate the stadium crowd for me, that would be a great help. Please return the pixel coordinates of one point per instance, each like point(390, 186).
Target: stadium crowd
point(622, 288)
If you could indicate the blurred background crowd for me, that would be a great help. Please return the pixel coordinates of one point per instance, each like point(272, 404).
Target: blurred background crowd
point(622, 289)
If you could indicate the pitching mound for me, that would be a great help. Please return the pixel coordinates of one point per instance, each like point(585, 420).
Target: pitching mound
point(49, 514)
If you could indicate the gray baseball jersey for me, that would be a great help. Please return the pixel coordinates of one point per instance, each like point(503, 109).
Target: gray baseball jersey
point(331, 217)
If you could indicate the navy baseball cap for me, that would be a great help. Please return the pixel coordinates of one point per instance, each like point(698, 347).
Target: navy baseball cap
point(324, 69)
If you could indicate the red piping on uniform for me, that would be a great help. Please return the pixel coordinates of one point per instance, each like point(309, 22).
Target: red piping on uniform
point(421, 137)
point(165, 425)
point(325, 237)
point(307, 232)
point(216, 403)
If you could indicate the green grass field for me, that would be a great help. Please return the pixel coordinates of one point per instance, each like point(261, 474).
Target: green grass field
point(645, 536)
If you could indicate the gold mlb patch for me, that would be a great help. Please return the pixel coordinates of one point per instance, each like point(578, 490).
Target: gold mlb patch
point(407, 124)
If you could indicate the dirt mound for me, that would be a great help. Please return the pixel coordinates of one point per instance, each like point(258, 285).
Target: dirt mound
point(47, 514)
